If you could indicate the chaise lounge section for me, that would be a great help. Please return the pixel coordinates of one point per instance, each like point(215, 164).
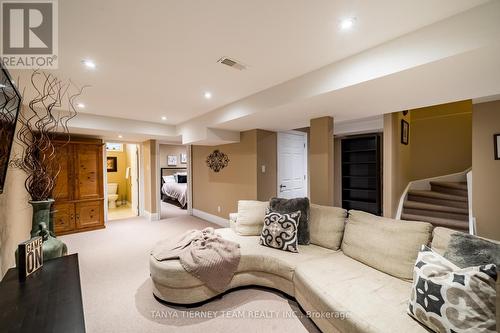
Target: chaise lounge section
point(355, 276)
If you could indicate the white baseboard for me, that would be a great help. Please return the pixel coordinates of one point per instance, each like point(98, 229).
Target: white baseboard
point(151, 216)
point(211, 218)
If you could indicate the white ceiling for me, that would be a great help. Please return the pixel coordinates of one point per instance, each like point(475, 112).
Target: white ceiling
point(156, 58)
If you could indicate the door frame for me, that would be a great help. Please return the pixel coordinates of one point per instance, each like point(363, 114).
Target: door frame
point(189, 170)
point(306, 159)
point(140, 176)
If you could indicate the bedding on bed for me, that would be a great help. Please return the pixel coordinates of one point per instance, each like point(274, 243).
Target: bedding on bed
point(176, 191)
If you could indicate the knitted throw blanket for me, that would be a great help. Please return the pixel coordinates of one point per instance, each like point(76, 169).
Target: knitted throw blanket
point(204, 254)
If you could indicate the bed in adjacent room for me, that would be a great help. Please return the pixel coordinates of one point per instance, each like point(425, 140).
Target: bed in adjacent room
point(174, 185)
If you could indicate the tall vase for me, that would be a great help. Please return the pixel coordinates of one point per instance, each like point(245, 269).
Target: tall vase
point(41, 216)
point(41, 226)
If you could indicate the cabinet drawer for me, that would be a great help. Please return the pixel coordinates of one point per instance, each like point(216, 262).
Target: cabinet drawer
point(64, 217)
point(89, 214)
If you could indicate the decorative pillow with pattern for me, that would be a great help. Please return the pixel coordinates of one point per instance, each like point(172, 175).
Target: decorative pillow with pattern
point(280, 230)
point(448, 299)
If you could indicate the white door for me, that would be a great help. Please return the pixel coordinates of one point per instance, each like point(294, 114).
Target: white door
point(292, 165)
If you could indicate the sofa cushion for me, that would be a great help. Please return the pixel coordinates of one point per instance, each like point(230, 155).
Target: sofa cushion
point(250, 217)
point(286, 206)
point(390, 246)
point(343, 295)
point(254, 258)
point(441, 238)
point(326, 226)
point(444, 294)
point(280, 231)
point(358, 215)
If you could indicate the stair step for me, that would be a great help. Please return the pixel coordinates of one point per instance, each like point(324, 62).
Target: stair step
point(455, 185)
point(432, 207)
point(438, 222)
point(453, 188)
point(438, 214)
point(437, 198)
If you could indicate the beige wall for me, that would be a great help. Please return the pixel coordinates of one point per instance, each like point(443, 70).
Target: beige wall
point(266, 156)
point(485, 169)
point(396, 162)
point(441, 140)
point(15, 215)
point(176, 150)
point(119, 176)
point(321, 161)
point(151, 184)
point(237, 181)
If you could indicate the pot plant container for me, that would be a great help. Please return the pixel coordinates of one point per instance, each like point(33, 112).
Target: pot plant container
point(41, 225)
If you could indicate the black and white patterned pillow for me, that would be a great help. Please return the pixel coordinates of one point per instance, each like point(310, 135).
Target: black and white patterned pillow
point(280, 230)
point(447, 299)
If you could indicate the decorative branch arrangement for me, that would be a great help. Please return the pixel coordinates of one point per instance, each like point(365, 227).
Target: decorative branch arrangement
point(217, 160)
point(9, 103)
point(40, 122)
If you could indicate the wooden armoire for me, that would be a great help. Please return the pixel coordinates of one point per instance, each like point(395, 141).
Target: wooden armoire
point(79, 190)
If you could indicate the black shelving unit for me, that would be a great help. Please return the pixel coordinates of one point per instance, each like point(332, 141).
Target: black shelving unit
point(361, 173)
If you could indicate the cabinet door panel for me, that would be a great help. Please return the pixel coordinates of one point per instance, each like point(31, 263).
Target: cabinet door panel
point(89, 171)
point(64, 217)
point(63, 189)
point(89, 214)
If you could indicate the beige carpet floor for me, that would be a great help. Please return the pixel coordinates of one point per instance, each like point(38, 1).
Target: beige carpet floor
point(117, 291)
point(169, 210)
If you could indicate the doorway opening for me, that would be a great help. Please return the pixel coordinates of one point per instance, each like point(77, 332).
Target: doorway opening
point(122, 180)
point(292, 165)
point(174, 181)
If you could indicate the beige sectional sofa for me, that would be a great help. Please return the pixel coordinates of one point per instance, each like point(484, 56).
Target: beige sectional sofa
point(355, 276)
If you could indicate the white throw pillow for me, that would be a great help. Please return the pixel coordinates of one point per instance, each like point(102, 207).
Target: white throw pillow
point(251, 215)
point(169, 179)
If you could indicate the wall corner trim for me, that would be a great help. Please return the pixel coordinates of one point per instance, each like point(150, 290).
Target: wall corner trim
point(151, 216)
point(211, 218)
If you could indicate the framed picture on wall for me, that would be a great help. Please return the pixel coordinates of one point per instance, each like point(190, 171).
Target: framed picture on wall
point(112, 163)
point(405, 132)
point(496, 137)
point(171, 160)
point(183, 158)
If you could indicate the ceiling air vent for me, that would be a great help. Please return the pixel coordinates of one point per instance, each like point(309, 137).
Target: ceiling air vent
point(232, 63)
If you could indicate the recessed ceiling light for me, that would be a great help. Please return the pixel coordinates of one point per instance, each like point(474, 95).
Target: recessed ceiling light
point(80, 105)
point(120, 136)
point(207, 94)
point(347, 23)
point(163, 118)
point(89, 64)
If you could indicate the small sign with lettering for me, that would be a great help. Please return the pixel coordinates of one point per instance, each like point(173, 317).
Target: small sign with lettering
point(30, 257)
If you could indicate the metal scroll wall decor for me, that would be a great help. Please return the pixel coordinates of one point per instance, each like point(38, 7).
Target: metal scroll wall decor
point(217, 160)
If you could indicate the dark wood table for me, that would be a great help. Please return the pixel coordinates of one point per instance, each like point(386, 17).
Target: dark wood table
point(49, 301)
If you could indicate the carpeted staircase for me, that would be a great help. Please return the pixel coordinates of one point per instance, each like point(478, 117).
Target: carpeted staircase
point(445, 205)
